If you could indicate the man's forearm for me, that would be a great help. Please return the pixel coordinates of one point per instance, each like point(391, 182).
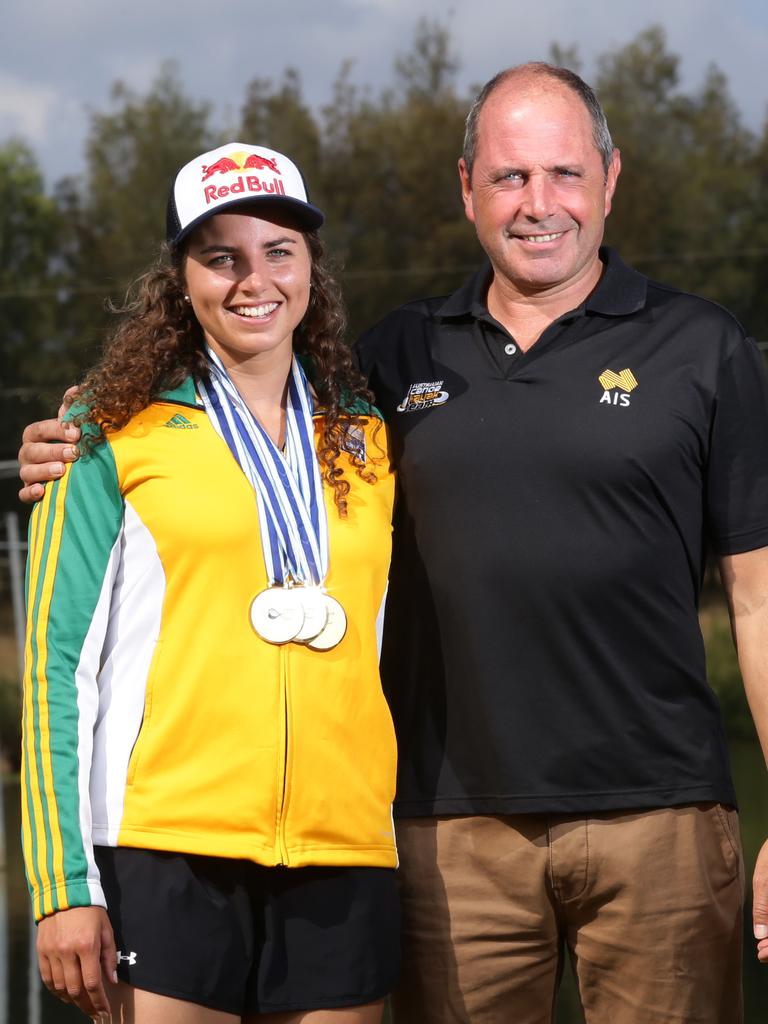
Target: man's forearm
point(745, 578)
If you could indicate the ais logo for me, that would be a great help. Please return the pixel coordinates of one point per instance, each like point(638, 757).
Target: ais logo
point(617, 386)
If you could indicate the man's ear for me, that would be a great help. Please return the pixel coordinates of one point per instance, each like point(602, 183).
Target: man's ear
point(614, 170)
point(466, 190)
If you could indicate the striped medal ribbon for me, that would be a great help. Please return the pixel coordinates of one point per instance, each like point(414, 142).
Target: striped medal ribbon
point(292, 515)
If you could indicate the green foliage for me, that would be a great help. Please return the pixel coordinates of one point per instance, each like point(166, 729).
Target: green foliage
point(384, 171)
point(684, 204)
point(30, 231)
point(390, 184)
point(132, 154)
point(754, 305)
point(280, 119)
point(427, 72)
point(115, 214)
point(725, 678)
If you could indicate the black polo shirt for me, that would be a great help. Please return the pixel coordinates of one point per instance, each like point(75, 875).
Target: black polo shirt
point(542, 650)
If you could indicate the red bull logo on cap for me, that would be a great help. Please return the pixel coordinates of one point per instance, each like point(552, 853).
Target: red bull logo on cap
point(236, 162)
point(262, 163)
point(222, 166)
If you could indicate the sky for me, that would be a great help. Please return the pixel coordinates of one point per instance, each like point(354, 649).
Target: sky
point(58, 59)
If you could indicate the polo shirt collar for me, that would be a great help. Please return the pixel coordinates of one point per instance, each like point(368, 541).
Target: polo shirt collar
point(620, 291)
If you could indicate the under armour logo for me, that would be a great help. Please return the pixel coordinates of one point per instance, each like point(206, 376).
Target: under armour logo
point(129, 958)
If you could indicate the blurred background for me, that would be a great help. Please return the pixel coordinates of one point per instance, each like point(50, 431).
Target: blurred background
point(98, 108)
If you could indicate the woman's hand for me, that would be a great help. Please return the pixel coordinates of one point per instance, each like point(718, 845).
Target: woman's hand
point(75, 950)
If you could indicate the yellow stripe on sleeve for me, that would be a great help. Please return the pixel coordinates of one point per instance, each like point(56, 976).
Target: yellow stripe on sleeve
point(36, 852)
point(41, 633)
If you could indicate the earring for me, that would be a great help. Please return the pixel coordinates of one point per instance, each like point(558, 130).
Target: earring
point(187, 298)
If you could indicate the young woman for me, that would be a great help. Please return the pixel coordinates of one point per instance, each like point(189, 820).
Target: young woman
point(209, 761)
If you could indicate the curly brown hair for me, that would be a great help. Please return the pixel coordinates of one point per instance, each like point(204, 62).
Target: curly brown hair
point(159, 343)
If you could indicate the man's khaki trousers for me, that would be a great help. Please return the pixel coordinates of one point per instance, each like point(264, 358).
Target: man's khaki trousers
point(647, 905)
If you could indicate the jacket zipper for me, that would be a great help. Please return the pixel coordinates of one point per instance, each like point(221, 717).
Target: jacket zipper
point(281, 849)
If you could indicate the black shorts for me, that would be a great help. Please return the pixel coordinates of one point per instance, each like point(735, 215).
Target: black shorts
point(241, 938)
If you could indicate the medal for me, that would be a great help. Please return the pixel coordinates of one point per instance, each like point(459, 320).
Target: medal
point(335, 627)
point(277, 614)
point(315, 613)
point(293, 521)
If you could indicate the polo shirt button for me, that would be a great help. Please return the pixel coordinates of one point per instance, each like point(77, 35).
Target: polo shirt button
point(510, 349)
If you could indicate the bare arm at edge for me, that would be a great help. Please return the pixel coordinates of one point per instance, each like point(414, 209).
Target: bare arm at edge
point(745, 579)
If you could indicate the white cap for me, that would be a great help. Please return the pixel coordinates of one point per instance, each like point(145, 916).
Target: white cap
point(232, 174)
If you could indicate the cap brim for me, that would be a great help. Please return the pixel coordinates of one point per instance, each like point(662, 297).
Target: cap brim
point(307, 216)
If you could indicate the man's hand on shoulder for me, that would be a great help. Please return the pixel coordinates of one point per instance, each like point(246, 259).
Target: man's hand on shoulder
point(45, 446)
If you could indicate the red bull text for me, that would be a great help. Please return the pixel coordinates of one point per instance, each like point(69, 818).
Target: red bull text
point(244, 183)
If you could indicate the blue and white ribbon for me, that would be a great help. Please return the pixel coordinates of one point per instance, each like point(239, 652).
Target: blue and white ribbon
point(288, 485)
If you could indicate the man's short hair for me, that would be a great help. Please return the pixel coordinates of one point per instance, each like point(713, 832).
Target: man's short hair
point(572, 81)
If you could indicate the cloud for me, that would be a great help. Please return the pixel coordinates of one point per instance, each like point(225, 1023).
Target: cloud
point(25, 108)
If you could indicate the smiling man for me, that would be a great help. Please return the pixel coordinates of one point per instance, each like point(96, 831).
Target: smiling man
point(538, 186)
point(570, 438)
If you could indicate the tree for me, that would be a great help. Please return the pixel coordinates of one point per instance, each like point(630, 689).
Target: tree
point(280, 119)
point(30, 277)
point(383, 169)
point(754, 301)
point(691, 208)
point(115, 214)
point(132, 155)
point(390, 182)
point(685, 193)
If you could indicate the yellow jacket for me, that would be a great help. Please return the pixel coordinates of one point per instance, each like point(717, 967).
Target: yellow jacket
point(154, 716)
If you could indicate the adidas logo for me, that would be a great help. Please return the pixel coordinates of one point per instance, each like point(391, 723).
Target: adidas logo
point(179, 422)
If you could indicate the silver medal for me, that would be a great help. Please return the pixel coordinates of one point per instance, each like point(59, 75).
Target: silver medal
point(277, 614)
point(335, 627)
point(315, 613)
